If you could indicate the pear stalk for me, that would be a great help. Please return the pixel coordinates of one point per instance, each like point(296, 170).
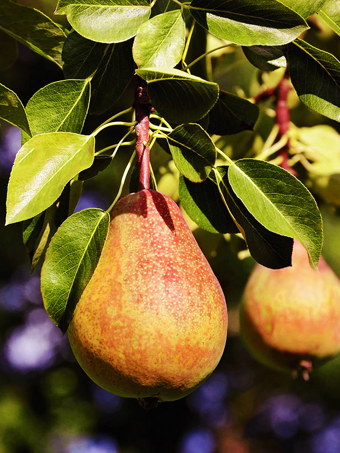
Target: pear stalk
point(143, 109)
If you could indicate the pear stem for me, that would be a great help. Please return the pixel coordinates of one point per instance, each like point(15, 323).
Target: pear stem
point(143, 109)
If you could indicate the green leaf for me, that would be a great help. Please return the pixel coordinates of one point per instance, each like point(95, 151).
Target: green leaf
point(249, 23)
point(193, 151)
point(81, 56)
point(33, 29)
point(59, 106)
point(42, 168)
point(70, 261)
point(8, 51)
point(203, 204)
point(36, 234)
point(330, 13)
point(113, 66)
point(267, 248)
point(108, 21)
point(12, 110)
point(266, 58)
point(160, 41)
point(305, 8)
point(178, 96)
point(113, 76)
point(315, 75)
point(232, 114)
point(280, 202)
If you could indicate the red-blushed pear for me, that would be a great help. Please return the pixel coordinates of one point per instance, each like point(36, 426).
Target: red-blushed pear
point(290, 318)
point(152, 321)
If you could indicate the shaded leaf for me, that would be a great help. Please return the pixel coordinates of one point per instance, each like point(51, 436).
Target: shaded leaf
point(330, 13)
point(34, 29)
point(108, 21)
point(81, 56)
point(178, 96)
point(160, 41)
point(99, 164)
point(280, 202)
point(315, 75)
point(113, 76)
point(12, 110)
point(70, 261)
point(266, 58)
point(267, 248)
point(232, 114)
point(8, 51)
point(42, 168)
point(59, 106)
point(193, 151)
point(249, 23)
point(203, 204)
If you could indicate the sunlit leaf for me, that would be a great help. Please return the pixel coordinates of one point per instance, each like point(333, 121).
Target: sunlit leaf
point(315, 75)
point(42, 168)
point(280, 202)
point(160, 41)
point(330, 13)
point(12, 110)
point(305, 8)
point(247, 22)
point(70, 262)
point(59, 106)
point(108, 21)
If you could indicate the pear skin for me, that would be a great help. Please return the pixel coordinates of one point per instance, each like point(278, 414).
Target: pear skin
point(290, 318)
point(152, 321)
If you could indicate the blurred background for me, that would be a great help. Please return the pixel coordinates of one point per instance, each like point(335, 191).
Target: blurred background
point(47, 403)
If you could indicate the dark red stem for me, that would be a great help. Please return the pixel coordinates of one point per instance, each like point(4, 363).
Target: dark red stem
point(143, 109)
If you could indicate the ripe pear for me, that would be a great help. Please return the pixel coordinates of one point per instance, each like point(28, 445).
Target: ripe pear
point(152, 321)
point(290, 318)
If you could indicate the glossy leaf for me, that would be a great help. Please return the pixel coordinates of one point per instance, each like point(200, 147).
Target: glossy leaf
point(70, 261)
point(330, 13)
point(305, 8)
point(203, 204)
point(267, 248)
point(249, 22)
point(42, 168)
point(59, 106)
point(33, 29)
point(315, 75)
point(266, 58)
point(108, 21)
point(12, 110)
point(160, 41)
point(193, 151)
point(8, 51)
point(178, 96)
point(280, 202)
point(232, 114)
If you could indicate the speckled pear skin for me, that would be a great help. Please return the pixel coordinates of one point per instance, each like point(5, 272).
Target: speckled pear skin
point(292, 314)
point(152, 321)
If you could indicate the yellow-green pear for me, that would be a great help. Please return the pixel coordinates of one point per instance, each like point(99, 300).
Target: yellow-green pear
point(152, 321)
point(290, 318)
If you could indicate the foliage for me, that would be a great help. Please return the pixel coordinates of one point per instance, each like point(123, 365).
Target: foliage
point(116, 45)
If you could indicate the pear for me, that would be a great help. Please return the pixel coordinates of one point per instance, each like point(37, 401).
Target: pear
point(290, 318)
point(152, 321)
